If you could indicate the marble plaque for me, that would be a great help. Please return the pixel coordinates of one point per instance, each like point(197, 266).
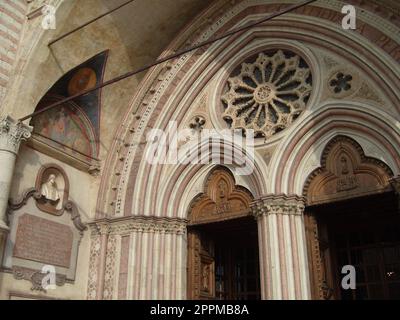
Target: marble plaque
point(43, 241)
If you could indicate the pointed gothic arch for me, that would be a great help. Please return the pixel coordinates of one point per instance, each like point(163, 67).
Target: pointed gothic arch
point(221, 199)
point(346, 172)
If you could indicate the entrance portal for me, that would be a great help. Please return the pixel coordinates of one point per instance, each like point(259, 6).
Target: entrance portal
point(364, 233)
point(231, 250)
point(352, 218)
point(222, 242)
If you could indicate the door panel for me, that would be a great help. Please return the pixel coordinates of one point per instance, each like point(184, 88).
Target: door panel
point(201, 266)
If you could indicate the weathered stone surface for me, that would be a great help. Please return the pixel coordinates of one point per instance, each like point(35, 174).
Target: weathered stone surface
point(43, 241)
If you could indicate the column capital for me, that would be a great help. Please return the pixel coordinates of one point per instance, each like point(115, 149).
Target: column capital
point(145, 224)
point(12, 132)
point(278, 204)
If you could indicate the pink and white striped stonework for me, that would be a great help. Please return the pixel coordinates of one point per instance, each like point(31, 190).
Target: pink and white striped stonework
point(152, 228)
point(192, 85)
point(12, 19)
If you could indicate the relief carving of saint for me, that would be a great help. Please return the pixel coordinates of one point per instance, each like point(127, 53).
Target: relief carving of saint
point(205, 277)
point(221, 190)
point(345, 169)
point(49, 189)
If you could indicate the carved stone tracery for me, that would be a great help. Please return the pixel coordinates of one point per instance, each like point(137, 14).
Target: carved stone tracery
point(267, 93)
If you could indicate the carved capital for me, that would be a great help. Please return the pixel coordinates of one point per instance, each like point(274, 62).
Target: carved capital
point(278, 204)
point(12, 133)
point(144, 224)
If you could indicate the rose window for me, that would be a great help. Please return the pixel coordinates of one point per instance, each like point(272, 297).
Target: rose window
point(267, 92)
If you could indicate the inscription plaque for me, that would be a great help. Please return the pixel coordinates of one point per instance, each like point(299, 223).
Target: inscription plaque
point(43, 241)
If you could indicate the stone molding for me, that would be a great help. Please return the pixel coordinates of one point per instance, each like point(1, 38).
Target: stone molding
point(36, 278)
point(12, 133)
point(149, 98)
point(278, 204)
point(69, 207)
point(145, 224)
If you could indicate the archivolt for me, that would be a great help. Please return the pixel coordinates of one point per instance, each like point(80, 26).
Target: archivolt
point(188, 76)
point(329, 120)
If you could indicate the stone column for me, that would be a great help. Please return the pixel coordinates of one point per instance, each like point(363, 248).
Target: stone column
point(138, 257)
point(11, 135)
point(282, 247)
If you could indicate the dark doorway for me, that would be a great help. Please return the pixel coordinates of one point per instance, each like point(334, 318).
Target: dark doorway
point(230, 248)
point(364, 233)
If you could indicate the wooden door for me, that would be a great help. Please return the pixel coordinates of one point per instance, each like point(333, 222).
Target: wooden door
point(201, 266)
point(319, 258)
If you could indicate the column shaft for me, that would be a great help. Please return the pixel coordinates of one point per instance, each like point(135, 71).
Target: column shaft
point(11, 135)
point(283, 263)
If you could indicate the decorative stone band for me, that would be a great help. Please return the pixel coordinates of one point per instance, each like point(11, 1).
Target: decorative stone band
point(145, 224)
point(278, 204)
point(12, 133)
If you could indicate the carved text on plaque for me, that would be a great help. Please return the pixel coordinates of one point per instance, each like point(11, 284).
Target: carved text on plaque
point(43, 241)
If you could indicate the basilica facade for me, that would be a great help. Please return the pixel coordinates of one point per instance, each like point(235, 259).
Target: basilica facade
point(84, 214)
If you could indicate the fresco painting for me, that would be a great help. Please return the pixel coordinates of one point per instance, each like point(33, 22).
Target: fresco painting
point(74, 127)
point(69, 127)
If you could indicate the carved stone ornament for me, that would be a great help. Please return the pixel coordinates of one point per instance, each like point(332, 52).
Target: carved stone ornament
point(12, 133)
point(267, 93)
point(197, 123)
point(36, 278)
point(145, 224)
point(38, 239)
point(278, 204)
point(69, 207)
point(221, 199)
point(346, 173)
point(340, 82)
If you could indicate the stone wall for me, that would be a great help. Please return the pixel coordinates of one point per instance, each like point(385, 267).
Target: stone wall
point(12, 19)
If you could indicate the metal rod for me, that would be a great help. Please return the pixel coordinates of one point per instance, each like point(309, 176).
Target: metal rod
point(170, 57)
point(89, 22)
